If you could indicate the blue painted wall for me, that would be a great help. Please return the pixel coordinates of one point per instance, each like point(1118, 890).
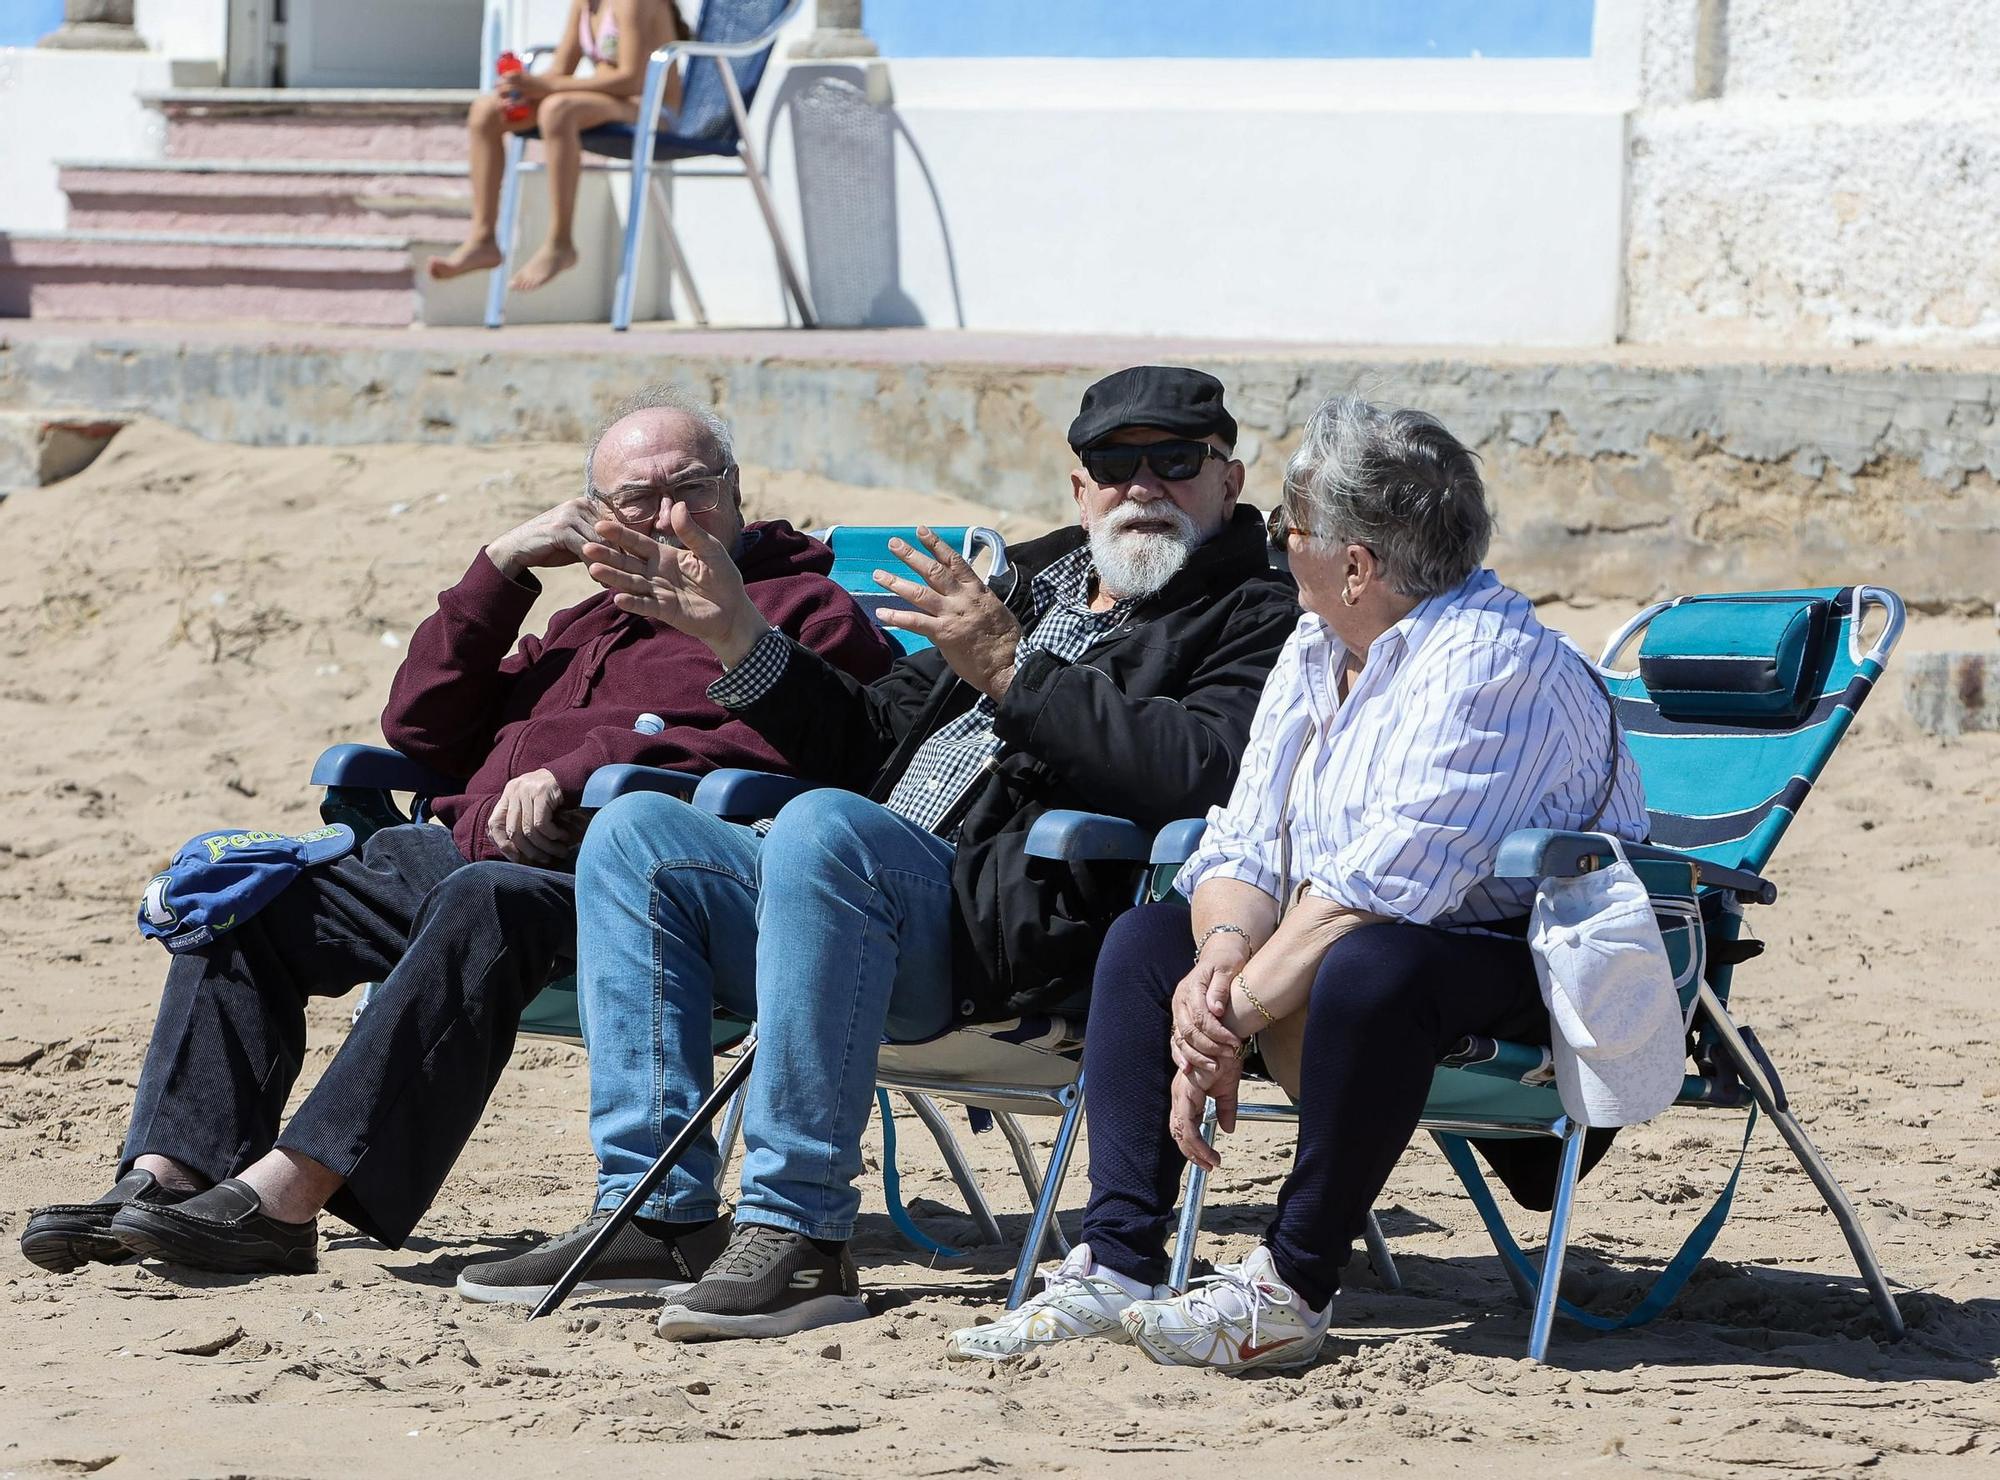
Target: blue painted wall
point(24, 22)
point(1230, 28)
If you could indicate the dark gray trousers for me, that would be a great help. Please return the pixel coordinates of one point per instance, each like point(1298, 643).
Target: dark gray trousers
point(459, 950)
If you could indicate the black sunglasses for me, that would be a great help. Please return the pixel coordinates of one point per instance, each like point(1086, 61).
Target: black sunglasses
point(1175, 461)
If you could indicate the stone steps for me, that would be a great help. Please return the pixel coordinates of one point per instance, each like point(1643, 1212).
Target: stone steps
point(207, 277)
point(315, 123)
point(422, 200)
point(293, 205)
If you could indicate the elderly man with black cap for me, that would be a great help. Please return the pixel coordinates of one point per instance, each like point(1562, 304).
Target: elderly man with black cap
point(1115, 666)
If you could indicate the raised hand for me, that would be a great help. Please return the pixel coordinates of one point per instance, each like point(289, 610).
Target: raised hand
point(555, 537)
point(970, 626)
point(694, 588)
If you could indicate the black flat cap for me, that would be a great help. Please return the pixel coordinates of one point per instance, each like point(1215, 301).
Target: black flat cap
point(1171, 398)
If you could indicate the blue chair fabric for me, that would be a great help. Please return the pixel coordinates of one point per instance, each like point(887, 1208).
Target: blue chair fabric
point(1723, 783)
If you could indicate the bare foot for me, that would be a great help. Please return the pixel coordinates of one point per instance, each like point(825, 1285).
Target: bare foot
point(474, 256)
point(544, 265)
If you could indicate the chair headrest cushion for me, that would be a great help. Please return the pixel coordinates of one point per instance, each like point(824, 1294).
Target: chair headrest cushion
point(1734, 658)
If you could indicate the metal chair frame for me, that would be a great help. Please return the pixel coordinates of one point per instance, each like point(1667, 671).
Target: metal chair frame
point(645, 185)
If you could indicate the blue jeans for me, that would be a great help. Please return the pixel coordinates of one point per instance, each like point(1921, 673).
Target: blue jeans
point(832, 931)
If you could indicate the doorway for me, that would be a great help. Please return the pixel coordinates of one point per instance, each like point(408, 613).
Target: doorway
point(354, 43)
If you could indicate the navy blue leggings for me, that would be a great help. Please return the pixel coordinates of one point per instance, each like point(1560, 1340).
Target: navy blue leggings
point(1387, 1002)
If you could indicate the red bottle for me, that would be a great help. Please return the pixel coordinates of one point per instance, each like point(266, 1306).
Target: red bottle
point(507, 66)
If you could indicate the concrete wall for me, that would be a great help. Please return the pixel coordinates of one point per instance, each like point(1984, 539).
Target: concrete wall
point(1815, 172)
point(1612, 480)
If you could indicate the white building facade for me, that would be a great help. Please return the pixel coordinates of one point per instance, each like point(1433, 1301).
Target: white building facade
point(1439, 172)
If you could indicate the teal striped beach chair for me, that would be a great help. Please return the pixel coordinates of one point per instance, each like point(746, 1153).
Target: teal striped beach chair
point(1735, 706)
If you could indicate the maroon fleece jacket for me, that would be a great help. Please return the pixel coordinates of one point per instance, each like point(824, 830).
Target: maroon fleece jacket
point(566, 701)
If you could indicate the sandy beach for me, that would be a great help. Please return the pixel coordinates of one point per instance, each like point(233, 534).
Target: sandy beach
point(185, 626)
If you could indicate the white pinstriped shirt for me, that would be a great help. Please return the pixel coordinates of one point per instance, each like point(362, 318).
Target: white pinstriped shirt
point(1468, 720)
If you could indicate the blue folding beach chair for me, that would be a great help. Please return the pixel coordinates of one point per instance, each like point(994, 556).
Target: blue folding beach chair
point(1027, 1066)
point(1734, 709)
point(363, 781)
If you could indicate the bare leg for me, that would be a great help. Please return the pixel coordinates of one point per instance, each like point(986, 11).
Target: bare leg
point(170, 1173)
point(486, 129)
point(291, 1187)
point(563, 118)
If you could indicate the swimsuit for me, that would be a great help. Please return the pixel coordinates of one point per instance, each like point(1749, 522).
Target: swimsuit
point(601, 48)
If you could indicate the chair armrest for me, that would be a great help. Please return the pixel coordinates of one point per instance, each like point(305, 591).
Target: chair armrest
point(1177, 841)
point(978, 538)
point(608, 783)
point(529, 55)
point(736, 793)
point(376, 767)
point(1087, 837)
point(1542, 853)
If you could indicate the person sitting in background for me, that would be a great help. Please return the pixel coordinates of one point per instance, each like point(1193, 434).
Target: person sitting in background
point(619, 38)
point(1345, 911)
point(1115, 665)
point(462, 924)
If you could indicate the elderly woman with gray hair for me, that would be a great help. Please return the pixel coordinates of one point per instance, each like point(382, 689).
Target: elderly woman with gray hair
point(1344, 912)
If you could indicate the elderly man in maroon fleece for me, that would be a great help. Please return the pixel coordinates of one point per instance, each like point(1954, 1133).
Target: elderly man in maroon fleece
point(461, 927)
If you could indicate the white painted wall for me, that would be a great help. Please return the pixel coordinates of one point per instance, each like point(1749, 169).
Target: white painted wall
point(38, 87)
point(183, 28)
point(1408, 202)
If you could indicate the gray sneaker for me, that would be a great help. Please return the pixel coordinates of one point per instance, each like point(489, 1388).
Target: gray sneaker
point(768, 1282)
point(637, 1263)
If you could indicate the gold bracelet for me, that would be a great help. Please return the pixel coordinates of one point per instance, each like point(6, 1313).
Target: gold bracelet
point(1251, 997)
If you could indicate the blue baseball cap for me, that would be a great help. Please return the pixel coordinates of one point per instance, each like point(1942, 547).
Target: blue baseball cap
point(220, 879)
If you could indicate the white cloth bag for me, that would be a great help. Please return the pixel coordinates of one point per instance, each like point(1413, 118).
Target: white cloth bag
point(1619, 1042)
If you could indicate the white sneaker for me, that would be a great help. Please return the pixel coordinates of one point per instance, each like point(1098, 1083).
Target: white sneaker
point(1239, 1318)
point(1077, 1300)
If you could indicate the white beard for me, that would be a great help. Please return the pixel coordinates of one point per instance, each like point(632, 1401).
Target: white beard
point(1138, 564)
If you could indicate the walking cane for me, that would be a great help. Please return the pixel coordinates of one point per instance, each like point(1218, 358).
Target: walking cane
point(711, 1107)
point(706, 1111)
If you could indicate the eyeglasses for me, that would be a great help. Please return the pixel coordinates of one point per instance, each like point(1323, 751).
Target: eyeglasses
point(1176, 461)
point(698, 495)
point(1279, 530)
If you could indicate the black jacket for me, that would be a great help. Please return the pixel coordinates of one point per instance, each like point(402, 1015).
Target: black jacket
point(1151, 725)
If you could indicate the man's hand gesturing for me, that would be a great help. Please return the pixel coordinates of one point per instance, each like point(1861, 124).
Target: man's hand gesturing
point(556, 537)
point(695, 589)
point(968, 624)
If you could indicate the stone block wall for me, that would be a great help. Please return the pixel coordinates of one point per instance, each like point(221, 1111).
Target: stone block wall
point(1815, 172)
